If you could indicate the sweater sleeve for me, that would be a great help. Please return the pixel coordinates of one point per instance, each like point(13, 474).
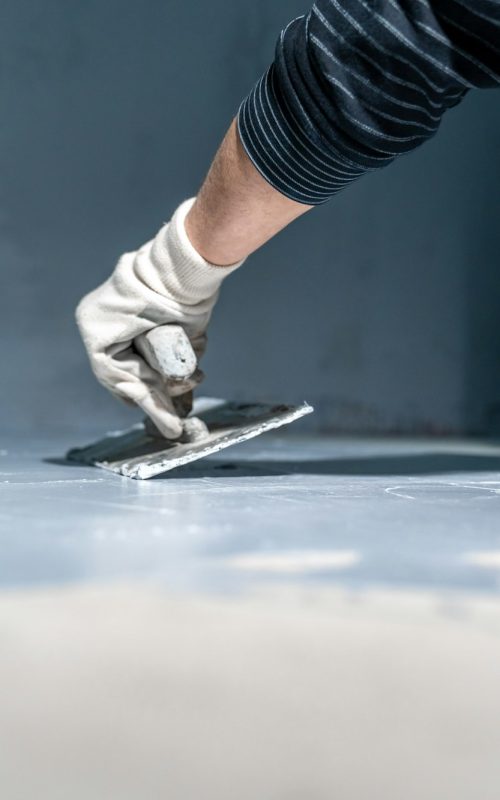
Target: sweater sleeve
point(356, 83)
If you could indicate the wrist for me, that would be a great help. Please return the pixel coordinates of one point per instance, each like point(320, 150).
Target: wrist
point(184, 271)
point(211, 241)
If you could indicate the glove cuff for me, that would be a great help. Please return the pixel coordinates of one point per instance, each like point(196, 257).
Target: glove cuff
point(185, 273)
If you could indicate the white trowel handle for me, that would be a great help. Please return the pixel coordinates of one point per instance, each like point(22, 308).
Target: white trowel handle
point(168, 350)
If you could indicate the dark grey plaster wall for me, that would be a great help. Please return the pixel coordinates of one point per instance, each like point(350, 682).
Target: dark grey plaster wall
point(382, 307)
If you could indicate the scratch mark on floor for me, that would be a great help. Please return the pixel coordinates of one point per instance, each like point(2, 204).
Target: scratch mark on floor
point(393, 490)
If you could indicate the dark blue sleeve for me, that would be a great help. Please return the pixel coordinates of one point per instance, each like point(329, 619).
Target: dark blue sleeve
point(356, 83)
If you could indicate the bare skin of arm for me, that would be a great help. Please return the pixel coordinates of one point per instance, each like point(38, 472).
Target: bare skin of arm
point(236, 210)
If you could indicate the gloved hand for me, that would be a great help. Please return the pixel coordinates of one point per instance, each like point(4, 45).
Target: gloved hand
point(165, 281)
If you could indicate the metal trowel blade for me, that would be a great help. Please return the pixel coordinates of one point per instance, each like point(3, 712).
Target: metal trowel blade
point(136, 454)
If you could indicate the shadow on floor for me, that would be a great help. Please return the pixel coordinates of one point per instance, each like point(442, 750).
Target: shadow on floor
point(411, 464)
point(414, 464)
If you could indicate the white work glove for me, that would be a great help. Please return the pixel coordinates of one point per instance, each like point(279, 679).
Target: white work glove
point(165, 281)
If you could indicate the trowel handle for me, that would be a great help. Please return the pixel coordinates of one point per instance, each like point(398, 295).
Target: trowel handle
point(168, 350)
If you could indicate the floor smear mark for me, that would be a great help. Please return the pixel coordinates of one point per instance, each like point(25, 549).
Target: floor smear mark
point(487, 560)
point(53, 483)
point(295, 561)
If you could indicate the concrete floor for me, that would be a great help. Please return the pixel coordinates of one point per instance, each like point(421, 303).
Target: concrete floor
point(392, 513)
point(294, 619)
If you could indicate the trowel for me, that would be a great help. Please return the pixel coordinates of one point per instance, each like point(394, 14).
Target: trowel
point(209, 424)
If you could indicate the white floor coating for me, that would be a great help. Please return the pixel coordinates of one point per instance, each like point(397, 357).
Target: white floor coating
point(296, 619)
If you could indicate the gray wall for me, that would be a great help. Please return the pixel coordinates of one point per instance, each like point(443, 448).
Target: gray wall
point(382, 307)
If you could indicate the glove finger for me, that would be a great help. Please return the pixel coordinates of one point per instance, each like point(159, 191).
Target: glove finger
point(160, 410)
point(128, 375)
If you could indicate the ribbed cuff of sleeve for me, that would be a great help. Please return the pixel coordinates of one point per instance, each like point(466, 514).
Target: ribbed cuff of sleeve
point(282, 151)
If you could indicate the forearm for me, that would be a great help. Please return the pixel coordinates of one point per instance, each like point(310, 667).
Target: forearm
point(351, 88)
point(237, 210)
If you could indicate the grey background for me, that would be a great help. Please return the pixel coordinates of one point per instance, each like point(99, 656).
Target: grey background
point(382, 308)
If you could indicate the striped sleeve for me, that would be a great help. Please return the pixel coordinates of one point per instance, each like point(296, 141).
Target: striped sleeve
point(356, 83)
